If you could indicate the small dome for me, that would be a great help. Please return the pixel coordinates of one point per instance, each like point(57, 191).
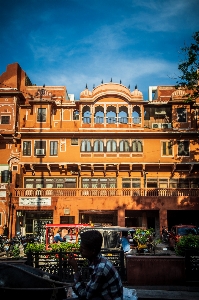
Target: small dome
point(86, 92)
point(137, 94)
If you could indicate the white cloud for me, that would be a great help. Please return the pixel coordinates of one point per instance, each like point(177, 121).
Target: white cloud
point(132, 41)
point(130, 72)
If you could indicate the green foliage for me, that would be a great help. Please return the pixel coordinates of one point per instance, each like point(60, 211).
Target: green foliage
point(189, 69)
point(64, 246)
point(16, 251)
point(55, 247)
point(142, 235)
point(35, 247)
point(156, 242)
point(187, 242)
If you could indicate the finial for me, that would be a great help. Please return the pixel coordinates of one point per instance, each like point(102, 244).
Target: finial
point(111, 79)
point(86, 86)
point(102, 81)
point(136, 87)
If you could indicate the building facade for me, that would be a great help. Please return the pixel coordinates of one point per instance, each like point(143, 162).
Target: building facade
point(109, 158)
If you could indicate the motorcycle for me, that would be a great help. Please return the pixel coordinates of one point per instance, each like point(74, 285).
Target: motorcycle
point(16, 244)
point(2, 242)
point(165, 236)
point(28, 239)
point(10, 245)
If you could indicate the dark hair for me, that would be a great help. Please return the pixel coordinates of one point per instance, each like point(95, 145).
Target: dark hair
point(124, 233)
point(92, 239)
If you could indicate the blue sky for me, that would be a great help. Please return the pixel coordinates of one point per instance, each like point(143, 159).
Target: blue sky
point(79, 42)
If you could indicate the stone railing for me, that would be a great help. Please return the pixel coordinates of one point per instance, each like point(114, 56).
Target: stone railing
point(102, 192)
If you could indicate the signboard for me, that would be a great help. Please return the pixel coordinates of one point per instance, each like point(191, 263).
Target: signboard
point(66, 211)
point(2, 193)
point(34, 201)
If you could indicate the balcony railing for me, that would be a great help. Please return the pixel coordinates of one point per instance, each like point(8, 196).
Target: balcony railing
point(101, 192)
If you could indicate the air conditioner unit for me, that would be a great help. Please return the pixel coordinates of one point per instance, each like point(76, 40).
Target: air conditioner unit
point(160, 112)
point(39, 151)
point(156, 125)
point(166, 125)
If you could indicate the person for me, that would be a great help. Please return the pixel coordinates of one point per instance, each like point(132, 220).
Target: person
point(105, 281)
point(5, 230)
point(165, 234)
point(125, 242)
point(57, 238)
point(50, 236)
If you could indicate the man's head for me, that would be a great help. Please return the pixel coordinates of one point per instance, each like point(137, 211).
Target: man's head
point(91, 243)
point(125, 233)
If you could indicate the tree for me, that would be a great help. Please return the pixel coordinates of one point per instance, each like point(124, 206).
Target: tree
point(189, 69)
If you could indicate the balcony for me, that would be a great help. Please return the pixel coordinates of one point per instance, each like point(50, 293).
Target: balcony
point(109, 192)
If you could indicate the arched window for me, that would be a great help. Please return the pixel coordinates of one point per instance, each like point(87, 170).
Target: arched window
point(86, 114)
point(87, 117)
point(76, 114)
point(111, 146)
point(98, 146)
point(123, 115)
point(99, 115)
point(111, 117)
point(124, 146)
point(86, 146)
point(137, 146)
point(136, 115)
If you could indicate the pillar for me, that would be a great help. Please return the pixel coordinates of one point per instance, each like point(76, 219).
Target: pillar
point(121, 217)
point(163, 219)
point(144, 219)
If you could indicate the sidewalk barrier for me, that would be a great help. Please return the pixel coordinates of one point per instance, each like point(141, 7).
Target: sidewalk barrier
point(56, 263)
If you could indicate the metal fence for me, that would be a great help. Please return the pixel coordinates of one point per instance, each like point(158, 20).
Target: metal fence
point(56, 263)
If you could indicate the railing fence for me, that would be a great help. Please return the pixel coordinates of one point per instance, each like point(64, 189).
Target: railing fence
point(101, 192)
point(56, 263)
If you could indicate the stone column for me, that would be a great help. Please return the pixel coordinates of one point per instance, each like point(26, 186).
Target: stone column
point(121, 217)
point(163, 219)
point(144, 219)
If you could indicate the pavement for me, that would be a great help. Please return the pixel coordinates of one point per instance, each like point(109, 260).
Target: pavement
point(165, 292)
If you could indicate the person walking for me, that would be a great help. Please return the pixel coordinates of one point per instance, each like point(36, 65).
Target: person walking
point(105, 281)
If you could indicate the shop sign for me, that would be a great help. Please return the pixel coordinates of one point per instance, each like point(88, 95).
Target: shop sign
point(66, 211)
point(34, 201)
point(2, 193)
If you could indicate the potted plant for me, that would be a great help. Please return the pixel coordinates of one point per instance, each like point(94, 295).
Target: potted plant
point(145, 240)
point(187, 242)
